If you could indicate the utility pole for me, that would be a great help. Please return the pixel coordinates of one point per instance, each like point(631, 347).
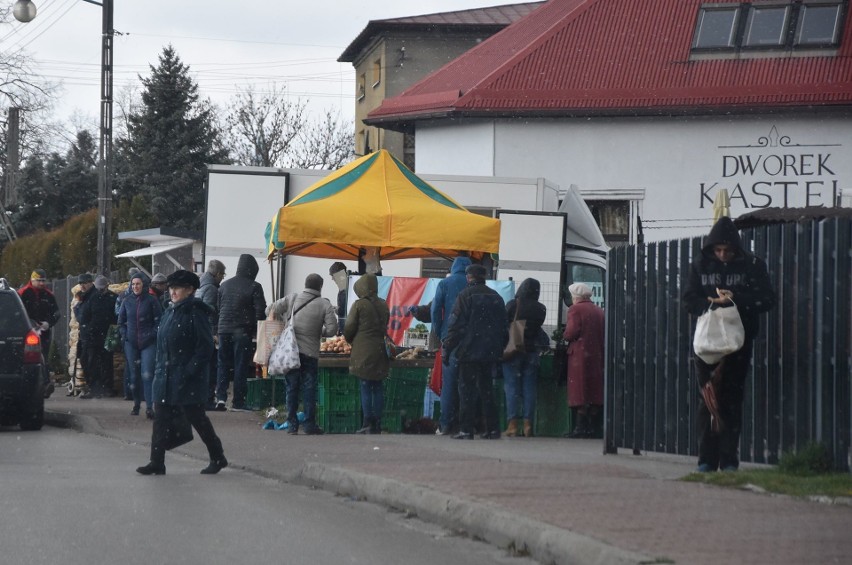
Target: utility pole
point(105, 146)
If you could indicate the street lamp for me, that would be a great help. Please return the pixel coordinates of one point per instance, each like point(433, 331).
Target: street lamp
point(25, 11)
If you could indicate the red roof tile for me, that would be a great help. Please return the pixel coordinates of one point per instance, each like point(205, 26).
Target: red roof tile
point(582, 57)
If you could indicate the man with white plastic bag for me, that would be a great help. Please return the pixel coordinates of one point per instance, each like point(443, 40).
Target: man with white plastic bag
point(311, 317)
point(724, 276)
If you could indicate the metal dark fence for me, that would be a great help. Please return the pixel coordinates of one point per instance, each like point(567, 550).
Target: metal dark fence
point(798, 390)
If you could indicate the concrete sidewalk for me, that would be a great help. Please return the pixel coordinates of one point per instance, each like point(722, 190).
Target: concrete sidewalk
point(559, 500)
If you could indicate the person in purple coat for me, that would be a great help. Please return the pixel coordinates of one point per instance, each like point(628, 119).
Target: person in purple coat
point(138, 320)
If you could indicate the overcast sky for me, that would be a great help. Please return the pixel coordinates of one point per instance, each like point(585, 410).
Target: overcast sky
point(227, 44)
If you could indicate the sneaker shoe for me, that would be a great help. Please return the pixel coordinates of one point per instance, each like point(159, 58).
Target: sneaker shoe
point(215, 466)
point(151, 469)
point(314, 431)
point(292, 430)
point(705, 468)
point(220, 406)
point(463, 435)
point(134, 411)
point(491, 435)
point(149, 413)
point(730, 469)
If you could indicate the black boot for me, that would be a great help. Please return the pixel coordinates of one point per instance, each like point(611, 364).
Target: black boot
point(376, 426)
point(367, 427)
point(581, 429)
point(152, 469)
point(215, 466)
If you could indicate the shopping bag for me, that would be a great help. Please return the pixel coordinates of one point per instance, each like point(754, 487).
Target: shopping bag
point(285, 354)
point(179, 430)
point(268, 332)
point(436, 378)
point(390, 347)
point(718, 332)
point(112, 343)
point(516, 339)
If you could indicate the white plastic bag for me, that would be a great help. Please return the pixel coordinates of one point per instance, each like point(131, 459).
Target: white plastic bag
point(285, 354)
point(718, 332)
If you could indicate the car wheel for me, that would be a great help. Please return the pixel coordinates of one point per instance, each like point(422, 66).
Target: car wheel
point(33, 417)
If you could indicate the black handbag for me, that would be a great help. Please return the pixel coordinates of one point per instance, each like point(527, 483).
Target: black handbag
point(178, 430)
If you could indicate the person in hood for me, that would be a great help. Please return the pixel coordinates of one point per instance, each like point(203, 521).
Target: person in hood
point(43, 312)
point(520, 373)
point(208, 293)
point(241, 305)
point(128, 376)
point(477, 334)
point(138, 319)
point(442, 305)
point(366, 327)
point(184, 344)
point(725, 274)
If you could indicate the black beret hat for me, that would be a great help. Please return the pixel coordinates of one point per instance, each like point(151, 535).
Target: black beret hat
point(183, 278)
point(85, 278)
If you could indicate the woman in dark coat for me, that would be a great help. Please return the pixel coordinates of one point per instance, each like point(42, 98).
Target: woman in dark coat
point(366, 327)
point(138, 318)
point(184, 347)
point(520, 373)
point(584, 333)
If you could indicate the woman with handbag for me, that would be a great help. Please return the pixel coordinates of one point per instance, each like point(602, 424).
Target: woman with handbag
point(138, 319)
point(366, 328)
point(722, 275)
point(184, 346)
point(520, 369)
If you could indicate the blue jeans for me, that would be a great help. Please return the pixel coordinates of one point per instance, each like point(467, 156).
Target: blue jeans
point(372, 399)
point(302, 381)
point(141, 363)
point(520, 379)
point(449, 392)
point(234, 358)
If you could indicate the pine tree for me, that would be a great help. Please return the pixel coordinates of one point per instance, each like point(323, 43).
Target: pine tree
point(171, 138)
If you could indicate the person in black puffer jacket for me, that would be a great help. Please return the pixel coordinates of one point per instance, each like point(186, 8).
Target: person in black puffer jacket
point(241, 305)
point(520, 373)
point(724, 274)
point(477, 334)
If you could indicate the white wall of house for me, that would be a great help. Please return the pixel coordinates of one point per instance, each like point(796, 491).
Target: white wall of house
point(671, 167)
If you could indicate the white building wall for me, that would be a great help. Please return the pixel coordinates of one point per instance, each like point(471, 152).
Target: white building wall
point(674, 166)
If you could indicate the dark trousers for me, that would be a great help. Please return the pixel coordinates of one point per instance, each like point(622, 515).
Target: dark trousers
point(720, 449)
point(196, 415)
point(213, 378)
point(97, 367)
point(303, 382)
point(477, 379)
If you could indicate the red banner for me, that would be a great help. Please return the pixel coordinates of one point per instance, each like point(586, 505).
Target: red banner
point(404, 292)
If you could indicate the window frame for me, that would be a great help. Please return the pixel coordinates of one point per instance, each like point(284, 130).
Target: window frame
point(784, 30)
point(838, 24)
point(699, 22)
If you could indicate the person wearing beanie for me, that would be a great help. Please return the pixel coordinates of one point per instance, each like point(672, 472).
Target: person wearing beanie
point(184, 346)
point(313, 317)
point(159, 288)
point(96, 315)
point(477, 334)
point(208, 293)
point(43, 312)
point(584, 335)
point(138, 319)
point(725, 274)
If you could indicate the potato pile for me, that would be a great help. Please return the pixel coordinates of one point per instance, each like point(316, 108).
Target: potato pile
point(335, 344)
point(411, 353)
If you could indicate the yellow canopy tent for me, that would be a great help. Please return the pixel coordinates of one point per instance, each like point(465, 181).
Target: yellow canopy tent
point(376, 202)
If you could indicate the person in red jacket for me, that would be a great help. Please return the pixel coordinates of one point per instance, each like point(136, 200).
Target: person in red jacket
point(43, 312)
point(584, 334)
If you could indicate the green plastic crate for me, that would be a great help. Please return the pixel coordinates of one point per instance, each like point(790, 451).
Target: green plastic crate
point(339, 400)
point(334, 422)
point(392, 418)
point(259, 393)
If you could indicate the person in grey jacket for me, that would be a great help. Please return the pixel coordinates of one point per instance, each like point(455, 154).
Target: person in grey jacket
point(312, 318)
point(208, 293)
point(241, 305)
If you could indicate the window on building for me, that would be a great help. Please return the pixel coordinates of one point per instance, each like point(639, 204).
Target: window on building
point(377, 72)
point(818, 24)
point(766, 26)
point(408, 150)
point(760, 26)
point(716, 27)
point(362, 87)
point(613, 217)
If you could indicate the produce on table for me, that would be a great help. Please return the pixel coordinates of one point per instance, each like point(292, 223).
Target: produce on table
point(336, 344)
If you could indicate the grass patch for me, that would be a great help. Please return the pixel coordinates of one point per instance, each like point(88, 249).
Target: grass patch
point(804, 473)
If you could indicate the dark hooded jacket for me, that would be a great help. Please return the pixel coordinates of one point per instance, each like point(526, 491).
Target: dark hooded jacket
point(96, 315)
point(366, 327)
point(241, 300)
point(530, 309)
point(477, 329)
point(184, 347)
point(446, 294)
point(745, 275)
point(139, 316)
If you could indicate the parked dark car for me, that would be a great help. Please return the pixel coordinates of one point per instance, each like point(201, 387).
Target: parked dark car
point(22, 367)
